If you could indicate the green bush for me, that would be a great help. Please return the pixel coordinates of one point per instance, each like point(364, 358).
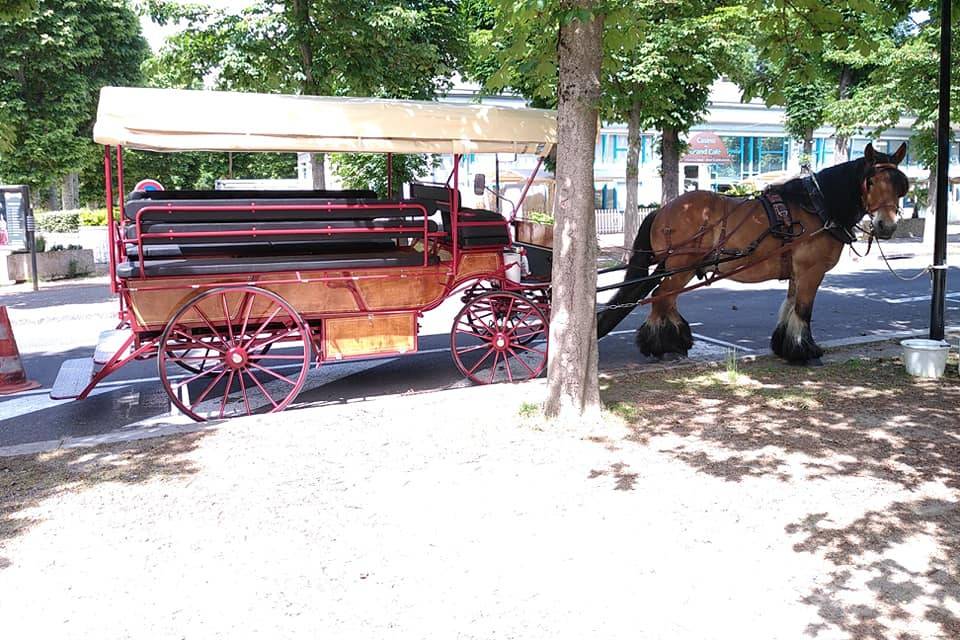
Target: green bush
point(94, 218)
point(69, 221)
point(540, 217)
point(58, 221)
point(40, 243)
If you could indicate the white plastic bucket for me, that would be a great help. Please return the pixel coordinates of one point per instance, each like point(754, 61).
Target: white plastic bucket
point(925, 358)
point(513, 262)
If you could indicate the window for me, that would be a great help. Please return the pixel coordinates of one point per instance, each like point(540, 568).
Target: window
point(749, 156)
point(619, 147)
point(823, 149)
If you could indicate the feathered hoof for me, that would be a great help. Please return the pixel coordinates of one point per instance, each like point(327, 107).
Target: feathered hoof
point(665, 337)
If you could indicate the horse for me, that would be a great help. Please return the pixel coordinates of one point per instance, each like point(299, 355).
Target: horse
point(797, 235)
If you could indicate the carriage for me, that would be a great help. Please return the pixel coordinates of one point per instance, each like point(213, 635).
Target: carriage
point(237, 294)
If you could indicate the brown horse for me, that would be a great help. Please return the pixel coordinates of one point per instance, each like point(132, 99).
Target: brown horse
point(712, 236)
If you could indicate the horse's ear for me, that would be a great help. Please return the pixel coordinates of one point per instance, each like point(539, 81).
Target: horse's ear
point(900, 153)
point(869, 154)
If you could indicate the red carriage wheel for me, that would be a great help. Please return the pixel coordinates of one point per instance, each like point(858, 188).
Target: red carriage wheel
point(500, 336)
point(226, 335)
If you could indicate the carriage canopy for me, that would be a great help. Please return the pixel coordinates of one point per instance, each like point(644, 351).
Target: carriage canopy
point(183, 120)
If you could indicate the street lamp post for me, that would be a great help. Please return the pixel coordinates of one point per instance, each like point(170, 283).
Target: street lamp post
point(938, 300)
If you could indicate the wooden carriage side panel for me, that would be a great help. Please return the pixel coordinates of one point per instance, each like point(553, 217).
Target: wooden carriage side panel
point(479, 263)
point(316, 294)
point(369, 335)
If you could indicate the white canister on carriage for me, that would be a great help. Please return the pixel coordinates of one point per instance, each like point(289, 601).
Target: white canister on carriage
point(512, 263)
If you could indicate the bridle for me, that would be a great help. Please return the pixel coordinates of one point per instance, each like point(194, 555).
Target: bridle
point(865, 185)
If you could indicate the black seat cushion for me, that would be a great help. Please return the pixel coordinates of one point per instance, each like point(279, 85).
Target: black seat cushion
point(303, 194)
point(250, 243)
point(264, 209)
point(437, 199)
point(270, 264)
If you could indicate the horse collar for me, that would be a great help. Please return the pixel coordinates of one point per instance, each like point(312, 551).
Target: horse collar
point(816, 197)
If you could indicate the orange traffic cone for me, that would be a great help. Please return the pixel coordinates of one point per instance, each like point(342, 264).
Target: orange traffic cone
point(12, 376)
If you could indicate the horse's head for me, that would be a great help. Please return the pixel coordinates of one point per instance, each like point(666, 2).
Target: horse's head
point(881, 189)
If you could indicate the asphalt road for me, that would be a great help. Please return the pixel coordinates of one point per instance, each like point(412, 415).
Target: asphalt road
point(859, 298)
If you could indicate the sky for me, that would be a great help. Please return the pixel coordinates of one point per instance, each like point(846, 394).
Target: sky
point(155, 34)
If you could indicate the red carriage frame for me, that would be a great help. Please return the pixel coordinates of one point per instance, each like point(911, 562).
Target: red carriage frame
point(507, 316)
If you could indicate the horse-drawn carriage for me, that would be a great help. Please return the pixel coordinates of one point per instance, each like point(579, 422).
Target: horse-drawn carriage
point(236, 294)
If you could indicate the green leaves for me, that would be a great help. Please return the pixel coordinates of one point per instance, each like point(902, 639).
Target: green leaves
point(53, 62)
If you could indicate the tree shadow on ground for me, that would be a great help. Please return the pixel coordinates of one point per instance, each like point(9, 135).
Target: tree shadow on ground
point(889, 572)
point(27, 481)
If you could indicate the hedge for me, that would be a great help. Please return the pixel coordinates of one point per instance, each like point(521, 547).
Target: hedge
point(71, 220)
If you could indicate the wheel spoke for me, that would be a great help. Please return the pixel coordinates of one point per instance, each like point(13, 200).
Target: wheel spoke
point(196, 344)
point(273, 373)
point(243, 391)
point(262, 390)
point(263, 326)
point(267, 356)
point(493, 369)
point(273, 339)
point(198, 376)
point(520, 346)
point(209, 388)
point(246, 304)
point(480, 362)
point(206, 320)
point(226, 315)
point(226, 394)
point(522, 361)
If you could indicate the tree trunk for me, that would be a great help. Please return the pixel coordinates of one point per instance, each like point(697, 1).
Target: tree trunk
point(309, 86)
point(841, 149)
point(70, 191)
point(53, 197)
point(631, 214)
point(841, 146)
point(930, 215)
point(669, 165)
point(573, 392)
point(317, 171)
point(807, 161)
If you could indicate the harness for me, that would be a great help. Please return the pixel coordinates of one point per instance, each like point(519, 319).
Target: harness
point(819, 207)
point(781, 226)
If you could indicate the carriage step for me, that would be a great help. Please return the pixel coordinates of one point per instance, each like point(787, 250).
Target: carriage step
point(109, 343)
point(73, 378)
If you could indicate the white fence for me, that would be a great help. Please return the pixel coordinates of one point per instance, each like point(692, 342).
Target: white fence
point(611, 221)
point(93, 238)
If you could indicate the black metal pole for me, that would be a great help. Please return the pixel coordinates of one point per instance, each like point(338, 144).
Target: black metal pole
point(30, 227)
point(938, 300)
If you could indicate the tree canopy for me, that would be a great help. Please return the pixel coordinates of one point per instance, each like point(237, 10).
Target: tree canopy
point(53, 62)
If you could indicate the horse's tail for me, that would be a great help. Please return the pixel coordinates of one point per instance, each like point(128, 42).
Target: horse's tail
point(638, 267)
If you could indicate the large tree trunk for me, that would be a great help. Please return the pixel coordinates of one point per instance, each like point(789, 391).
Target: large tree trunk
point(303, 29)
point(631, 214)
point(841, 146)
point(669, 165)
point(53, 197)
point(807, 163)
point(70, 191)
point(317, 171)
point(572, 387)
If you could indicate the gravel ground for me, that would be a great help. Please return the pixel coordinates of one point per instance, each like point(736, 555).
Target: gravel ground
point(769, 502)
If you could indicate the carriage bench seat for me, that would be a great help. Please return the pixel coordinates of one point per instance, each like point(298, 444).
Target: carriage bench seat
point(246, 238)
point(253, 265)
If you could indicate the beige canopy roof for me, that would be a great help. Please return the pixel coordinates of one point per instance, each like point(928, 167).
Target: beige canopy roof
point(178, 120)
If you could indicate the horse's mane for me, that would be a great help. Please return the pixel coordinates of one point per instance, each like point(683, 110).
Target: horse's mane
point(840, 185)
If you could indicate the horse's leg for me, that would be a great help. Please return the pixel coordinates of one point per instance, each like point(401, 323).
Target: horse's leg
point(665, 330)
point(786, 312)
point(796, 342)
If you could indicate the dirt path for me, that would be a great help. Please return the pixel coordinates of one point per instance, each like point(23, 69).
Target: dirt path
point(772, 502)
